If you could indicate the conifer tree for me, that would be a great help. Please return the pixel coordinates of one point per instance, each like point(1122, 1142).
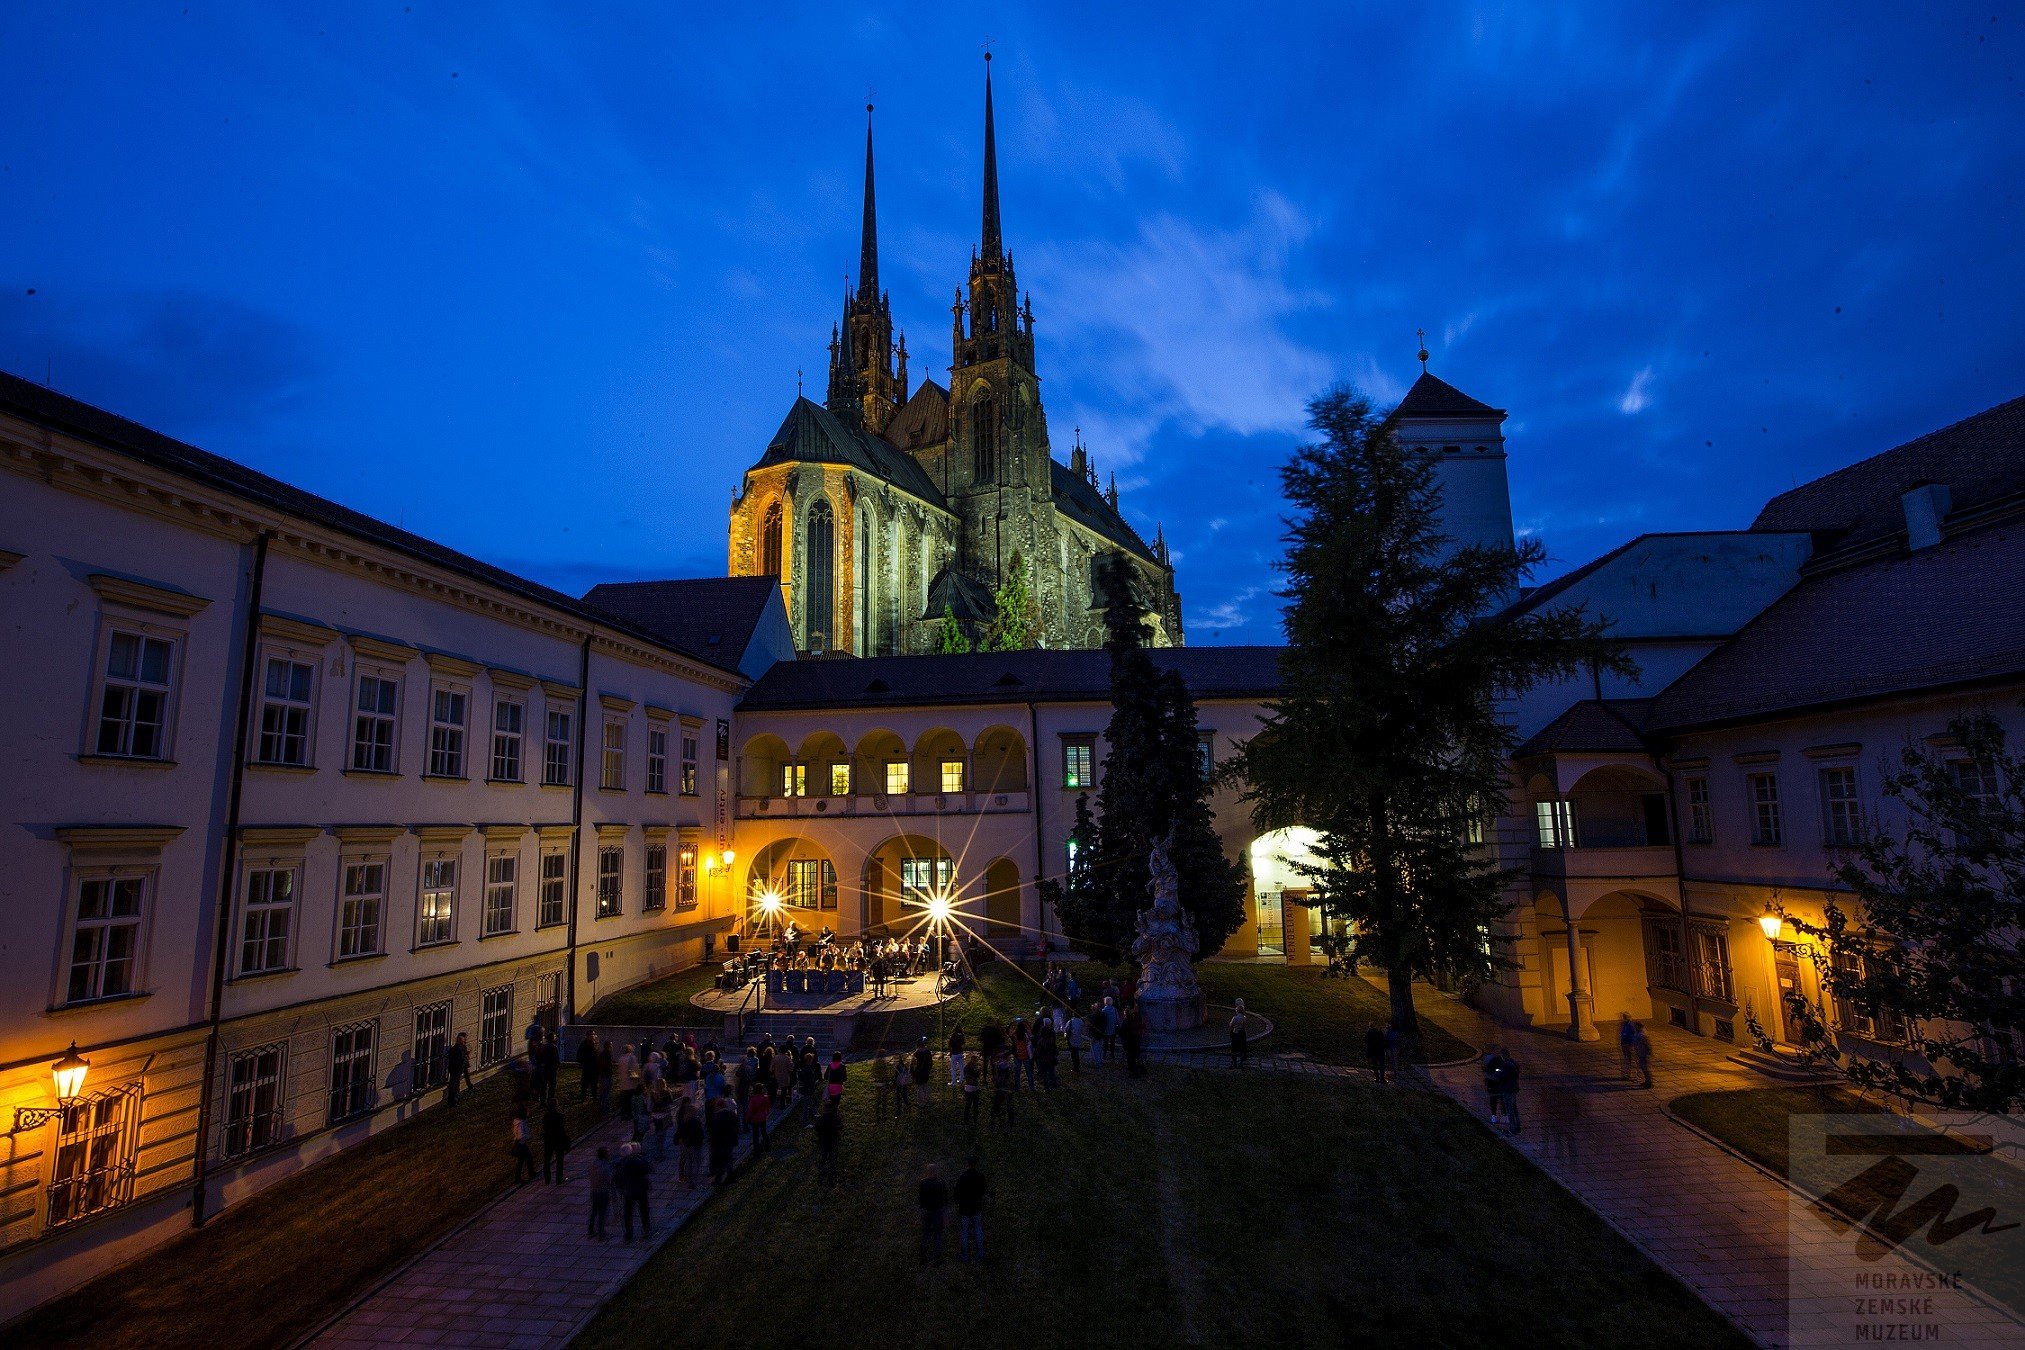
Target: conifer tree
point(950, 639)
point(1387, 739)
point(1016, 617)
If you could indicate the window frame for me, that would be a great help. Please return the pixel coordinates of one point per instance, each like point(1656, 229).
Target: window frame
point(798, 884)
point(1701, 811)
point(690, 749)
point(278, 653)
point(495, 1025)
point(240, 1124)
point(941, 876)
point(951, 772)
point(362, 1049)
point(449, 747)
point(611, 892)
point(1842, 816)
point(561, 883)
point(1079, 777)
point(558, 757)
point(357, 760)
point(1554, 824)
point(1768, 820)
point(117, 625)
point(794, 778)
point(347, 897)
point(657, 758)
point(145, 876)
point(431, 1032)
point(685, 876)
point(840, 778)
point(902, 772)
point(427, 890)
point(654, 892)
point(508, 760)
point(490, 922)
point(612, 754)
point(267, 909)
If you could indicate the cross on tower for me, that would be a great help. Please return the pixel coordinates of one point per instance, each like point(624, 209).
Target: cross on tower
point(1421, 333)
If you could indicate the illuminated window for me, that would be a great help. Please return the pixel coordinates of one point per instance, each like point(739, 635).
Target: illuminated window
point(437, 909)
point(921, 879)
point(685, 877)
point(840, 780)
point(811, 884)
point(896, 777)
point(794, 780)
point(952, 775)
point(1556, 822)
point(1077, 758)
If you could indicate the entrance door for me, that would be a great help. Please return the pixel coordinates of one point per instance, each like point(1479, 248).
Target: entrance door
point(1786, 963)
point(1272, 925)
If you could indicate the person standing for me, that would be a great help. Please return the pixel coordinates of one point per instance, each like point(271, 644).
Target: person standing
point(836, 1077)
point(973, 1087)
point(1107, 1027)
point(1002, 1087)
point(551, 1065)
point(1490, 1068)
point(957, 1043)
point(633, 1173)
point(933, 1194)
point(758, 1110)
point(882, 1086)
point(1047, 1051)
point(969, 1193)
point(924, 1072)
point(1023, 1054)
point(1641, 1054)
point(689, 1140)
point(784, 1073)
point(1626, 1036)
point(660, 1117)
point(1374, 1049)
point(457, 1063)
point(587, 1066)
point(601, 1192)
point(903, 1084)
point(628, 1068)
point(537, 1062)
point(555, 1144)
point(523, 1155)
point(608, 1068)
point(1239, 1041)
point(829, 1131)
point(1130, 1033)
point(723, 1130)
point(1077, 1033)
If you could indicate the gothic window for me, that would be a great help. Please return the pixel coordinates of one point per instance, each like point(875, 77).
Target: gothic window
point(822, 589)
point(984, 438)
point(769, 542)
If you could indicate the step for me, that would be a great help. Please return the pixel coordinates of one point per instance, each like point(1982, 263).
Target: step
point(1777, 1067)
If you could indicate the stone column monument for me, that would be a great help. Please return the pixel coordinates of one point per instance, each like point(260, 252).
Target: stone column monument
point(1169, 997)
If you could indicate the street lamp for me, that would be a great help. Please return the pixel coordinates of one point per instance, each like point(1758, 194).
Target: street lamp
point(1771, 921)
point(68, 1072)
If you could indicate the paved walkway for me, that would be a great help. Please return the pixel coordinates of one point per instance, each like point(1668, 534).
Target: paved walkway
point(523, 1274)
point(1735, 1235)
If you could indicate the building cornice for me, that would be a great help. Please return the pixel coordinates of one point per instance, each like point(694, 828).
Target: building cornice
point(137, 594)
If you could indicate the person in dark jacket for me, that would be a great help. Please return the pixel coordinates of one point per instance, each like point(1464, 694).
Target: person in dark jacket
point(957, 1044)
point(723, 1128)
point(608, 1070)
point(601, 1193)
point(969, 1191)
point(1374, 1049)
point(457, 1064)
point(551, 1066)
point(555, 1144)
point(829, 1132)
point(924, 1072)
point(933, 1194)
point(631, 1177)
point(587, 1065)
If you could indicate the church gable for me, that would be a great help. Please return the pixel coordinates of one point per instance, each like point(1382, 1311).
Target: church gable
point(923, 420)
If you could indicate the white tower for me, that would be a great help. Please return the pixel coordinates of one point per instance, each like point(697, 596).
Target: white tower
point(1466, 441)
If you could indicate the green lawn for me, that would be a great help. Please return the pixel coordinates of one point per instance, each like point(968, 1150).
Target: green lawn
point(661, 1003)
point(1756, 1121)
point(272, 1267)
point(1002, 992)
point(1192, 1208)
point(1324, 1017)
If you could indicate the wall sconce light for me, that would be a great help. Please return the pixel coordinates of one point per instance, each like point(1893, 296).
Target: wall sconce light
point(1771, 921)
point(69, 1074)
point(726, 858)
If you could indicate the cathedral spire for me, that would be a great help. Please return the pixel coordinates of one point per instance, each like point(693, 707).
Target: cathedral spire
point(868, 242)
point(992, 247)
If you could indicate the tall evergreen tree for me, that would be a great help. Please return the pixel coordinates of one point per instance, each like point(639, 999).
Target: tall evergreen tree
point(1387, 740)
point(1016, 616)
point(950, 639)
point(1153, 781)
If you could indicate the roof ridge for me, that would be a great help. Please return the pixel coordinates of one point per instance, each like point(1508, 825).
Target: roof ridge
point(1833, 474)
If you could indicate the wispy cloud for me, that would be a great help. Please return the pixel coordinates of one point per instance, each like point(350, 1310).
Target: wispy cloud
point(1639, 396)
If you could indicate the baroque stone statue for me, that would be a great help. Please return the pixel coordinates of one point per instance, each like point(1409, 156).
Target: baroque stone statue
point(1169, 997)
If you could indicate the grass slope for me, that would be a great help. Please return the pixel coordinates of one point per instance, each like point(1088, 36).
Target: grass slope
point(1191, 1207)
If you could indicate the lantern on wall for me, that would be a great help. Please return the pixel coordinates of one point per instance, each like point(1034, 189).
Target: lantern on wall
point(68, 1074)
point(1771, 921)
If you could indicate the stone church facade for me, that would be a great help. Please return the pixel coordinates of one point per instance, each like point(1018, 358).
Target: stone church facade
point(882, 510)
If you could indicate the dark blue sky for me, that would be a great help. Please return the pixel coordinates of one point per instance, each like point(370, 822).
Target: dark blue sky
point(538, 287)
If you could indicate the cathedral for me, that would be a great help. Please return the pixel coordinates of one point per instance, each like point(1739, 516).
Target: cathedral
point(883, 510)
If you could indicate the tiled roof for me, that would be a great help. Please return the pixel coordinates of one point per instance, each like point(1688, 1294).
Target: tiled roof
point(1981, 459)
point(713, 616)
point(1431, 397)
point(82, 421)
point(1593, 726)
point(1082, 503)
point(1004, 677)
point(922, 420)
point(965, 597)
point(1949, 615)
point(811, 433)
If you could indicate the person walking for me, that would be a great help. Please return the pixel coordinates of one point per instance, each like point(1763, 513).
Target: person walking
point(933, 1195)
point(587, 1066)
point(924, 1072)
point(957, 1042)
point(523, 1155)
point(601, 1192)
point(555, 1144)
point(1489, 1066)
point(689, 1140)
point(1508, 1090)
point(1238, 1037)
point(723, 1131)
point(969, 1194)
point(1641, 1054)
point(758, 1110)
point(1374, 1049)
point(829, 1131)
point(973, 1087)
point(456, 1063)
point(631, 1177)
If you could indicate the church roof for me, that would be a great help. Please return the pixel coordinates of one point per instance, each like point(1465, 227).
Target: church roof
point(1431, 397)
point(1082, 503)
point(1038, 675)
point(813, 435)
point(1592, 726)
point(963, 595)
point(1981, 459)
point(922, 420)
point(711, 616)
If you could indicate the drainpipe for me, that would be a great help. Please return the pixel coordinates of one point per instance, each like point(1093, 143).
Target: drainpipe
point(1687, 947)
point(569, 1007)
point(229, 867)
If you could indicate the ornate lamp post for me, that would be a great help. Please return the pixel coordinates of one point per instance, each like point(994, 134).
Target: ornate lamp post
point(69, 1073)
point(1771, 922)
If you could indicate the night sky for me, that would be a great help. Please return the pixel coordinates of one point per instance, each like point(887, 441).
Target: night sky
point(538, 287)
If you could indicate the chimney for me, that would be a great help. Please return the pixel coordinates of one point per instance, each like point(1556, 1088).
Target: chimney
point(1926, 506)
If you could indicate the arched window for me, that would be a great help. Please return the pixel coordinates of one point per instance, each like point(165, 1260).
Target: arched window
point(769, 542)
point(984, 438)
point(821, 601)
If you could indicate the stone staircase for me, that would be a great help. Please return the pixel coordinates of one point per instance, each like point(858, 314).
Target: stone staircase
point(1776, 1066)
point(827, 1029)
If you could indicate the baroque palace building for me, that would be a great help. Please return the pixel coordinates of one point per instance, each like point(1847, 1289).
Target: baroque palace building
point(882, 510)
